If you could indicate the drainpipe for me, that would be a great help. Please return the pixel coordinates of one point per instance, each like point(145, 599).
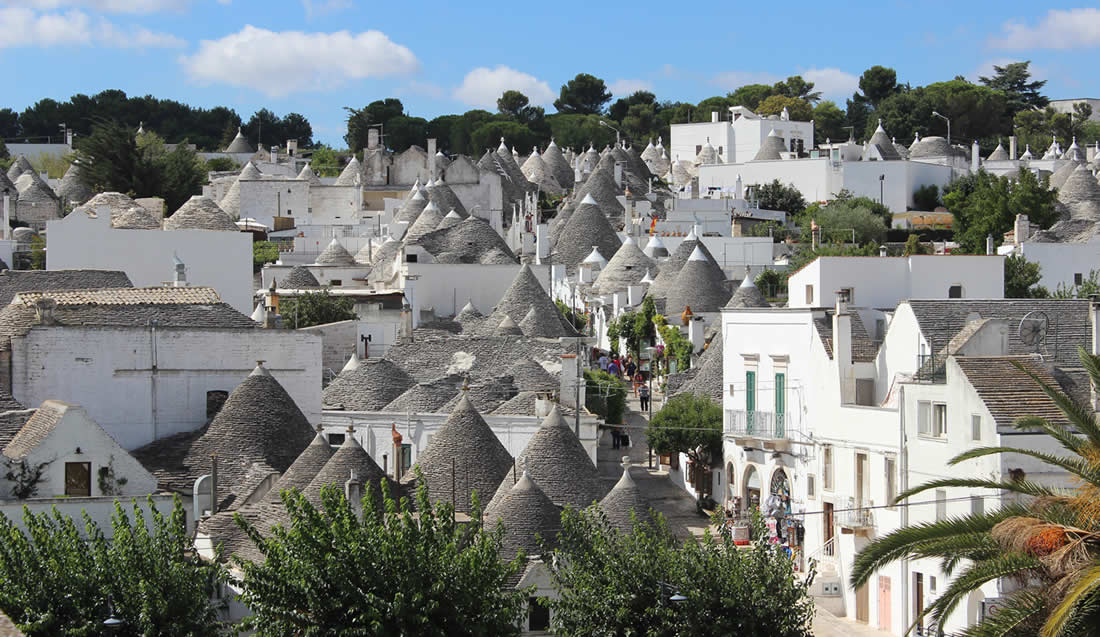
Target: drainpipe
point(153, 375)
point(903, 470)
point(213, 483)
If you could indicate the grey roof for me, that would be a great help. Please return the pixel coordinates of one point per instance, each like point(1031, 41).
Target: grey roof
point(524, 294)
point(471, 241)
point(427, 221)
point(480, 357)
point(940, 320)
point(557, 460)
point(72, 189)
point(335, 254)
point(125, 212)
point(1060, 176)
point(558, 165)
point(707, 154)
point(13, 415)
point(8, 184)
point(529, 375)
point(348, 175)
point(349, 458)
point(466, 453)
point(258, 424)
point(427, 398)
point(1007, 391)
point(200, 213)
point(36, 429)
point(410, 209)
point(537, 324)
point(864, 349)
point(508, 327)
point(308, 174)
point(771, 148)
point(627, 267)
point(705, 376)
point(445, 198)
point(239, 144)
point(16, 169)
point(528, 516)
point(539, 172)
point(931, 146)
point(522, 404)
point(884, 143)
point(369, 387)
point(747, 295)
point(249, 172)
point(486, 394)
point(34, 190)
point(601, 186)
point(231, 201)
point(699, 284)
point(587, 227)
point(671, 267)
point(1081, 195)
point(386, 254)
point(624, 498)
point(224, 531)
point(298, 278)
point(558, 223)
point(305, 467)
point(450, 220)
point(14, 281)
point(999, 154)
point(469, 311)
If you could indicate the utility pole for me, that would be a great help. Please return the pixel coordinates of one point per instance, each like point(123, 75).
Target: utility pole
point(577, 391)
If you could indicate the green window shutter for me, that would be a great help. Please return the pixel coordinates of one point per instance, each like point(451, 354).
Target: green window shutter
point(750, 391)
point(780, 393)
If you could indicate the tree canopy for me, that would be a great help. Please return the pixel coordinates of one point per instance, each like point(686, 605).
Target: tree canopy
point(685, 424)
point(984, 204)
point(1014, 80)
point(1022, 279)
point(583, 95)
point(315, 308)
point(779, 196)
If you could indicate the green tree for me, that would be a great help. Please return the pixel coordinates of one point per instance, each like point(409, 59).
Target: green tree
point(619, 109)
point(360, 120)
point(4, 150)
point(750, 95)
point(9, 124)
point(583, 95)
point(829, 122)
point(1022, 279)
point(511, 103)
point(856, 116)
point(221, 164)
point(59, 575)
point(1014, 80)
point(38, 253)
point(688, 424)
point(403, 131)
point(914, 246)
point(877, 83)
point(388, 570)
point(1028, 540)
point(710, 105)
point(776, 196)
point(263, 252)
point(1089, 285)
point(798, 109)
point(771, 282)
point(605, 396)
point(805, 254)
point(795, 87)
point(615, 583)
point(844, 221)
point(984, 204)
point(577, 131)
point(326, 162)
point(315, 308)
point(926, 197)
point(488, 135)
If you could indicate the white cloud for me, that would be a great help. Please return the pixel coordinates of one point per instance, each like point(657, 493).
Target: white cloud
point(832, 82)
point(25, 28)
point(280, 63)
point(105, 6)
point(733, 80)
point(624, 88)
point(482, 86)
point(1060, 29)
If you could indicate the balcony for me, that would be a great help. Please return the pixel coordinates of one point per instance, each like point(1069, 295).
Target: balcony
point(769, 428)
point(857, 520)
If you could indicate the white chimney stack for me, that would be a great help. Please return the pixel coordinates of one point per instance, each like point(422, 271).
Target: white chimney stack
point(713, 116)
point(842, 348)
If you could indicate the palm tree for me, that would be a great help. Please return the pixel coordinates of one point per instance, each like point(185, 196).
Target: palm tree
point(1047, 541)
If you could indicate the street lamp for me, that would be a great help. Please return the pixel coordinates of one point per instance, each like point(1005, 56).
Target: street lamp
point(606, 125)
point(112, 624)
point(937, 114)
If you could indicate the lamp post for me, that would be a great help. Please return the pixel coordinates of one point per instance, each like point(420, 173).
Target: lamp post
point(617, 134)
point(944, 118)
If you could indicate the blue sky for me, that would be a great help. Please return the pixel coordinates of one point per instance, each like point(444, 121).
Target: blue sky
point(316, 56)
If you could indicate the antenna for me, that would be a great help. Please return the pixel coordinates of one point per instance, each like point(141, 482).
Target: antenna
point(1033, 329)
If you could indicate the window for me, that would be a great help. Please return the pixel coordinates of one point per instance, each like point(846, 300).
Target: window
point(780, 398)
point(850, 293)
point(977, 505)
point(698, 149)
point(939, 420)
point(335, 282)
point(78, 479)
point(975, 427)
point(750, 392)
point(941, 505)
point(931, 584)
point(214, 401)
point(406, 457)
point(827, 467)
point(809, 295)
point(811, 486)
point(336, 440)
point(1078, 278)
point(289, 212)
point(891, 482)
point(955, 292)
point(538, 615)
point(719, 150)
point(924, 417)
point(411, 258)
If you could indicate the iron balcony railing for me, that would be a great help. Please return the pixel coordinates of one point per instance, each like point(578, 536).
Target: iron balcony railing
point(759, 424)
point(856, 518)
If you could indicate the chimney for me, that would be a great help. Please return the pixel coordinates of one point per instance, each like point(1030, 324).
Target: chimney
point(43, 309)
point(353, 491)
point(291, 147)
point(213, 483)
point(1021, 229)
point(618, 174)
point(989, 244)
point(713, 116)
point(568, 391)
point(696, 327)
point(181, 272)
point(975, 157)
point(396, 435)
point(406, 321)
point(1094, 323)
point(842, 348)
point(882, 251)
point(1012, 147)
point(431, 157)
point(372, 138)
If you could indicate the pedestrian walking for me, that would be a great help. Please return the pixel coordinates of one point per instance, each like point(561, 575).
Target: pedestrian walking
point(604, 362)
point(639, 382)
point(613, 368)
point(614, 437)
point(643, 397)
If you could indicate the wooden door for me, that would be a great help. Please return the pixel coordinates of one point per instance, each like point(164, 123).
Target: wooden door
point(918, 601)
point(863, 603)
point(78, 479)
point(884, 604)
point(828, 526)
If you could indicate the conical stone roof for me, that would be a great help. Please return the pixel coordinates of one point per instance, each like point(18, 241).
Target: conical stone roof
point(587, 227)
point(200, 213)
point(650, 153)
point(469, 241)
point(600, 186)
point(303, 470)
point(427, 221)
point(370, 387)
point(450, 220)
point(348, 175)
point(557, 224)
point(884, 143)
point(707, 155)
point(72, 189)
point(468, 312)
point(16, 169)
point(335, 254)
point(524, 294)
point(772, 148)
point(558, 165)
point(626, 268)
point(528, 375)
point(536, 325)
point(538, 172)
point(126, 214)
point(999, 154)
point(445, 198)
point(299, 278)
point(350, 459)
point(426, 398)
point(625, 497)
point(464, 452)
point(655, 248)
point(307, 174)
point(1060, 176)
point(670, 268)
point(698, 285)
point(239, 145)
point(508, 327)
point(250, 172)
point(931, 146)
point(1081, 195)
point(231, 200)
point(411, 208)
point(558, 462)
point(528, 516)
point(747, 295)
point(352, 364)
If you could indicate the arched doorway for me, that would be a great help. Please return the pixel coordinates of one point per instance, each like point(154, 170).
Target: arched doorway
point(752, 487)
point(731, 485)
point(780, 485)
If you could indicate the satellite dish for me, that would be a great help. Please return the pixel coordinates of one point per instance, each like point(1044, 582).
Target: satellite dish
point(1033, 329)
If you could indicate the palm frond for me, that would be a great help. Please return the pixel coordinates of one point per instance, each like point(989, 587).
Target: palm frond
point(1013, 614)
point(1080, 416)
point(1084, 590)
point(1078, 466)
point(1065, 437)
point(1003, 565)
point(1024, 487)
